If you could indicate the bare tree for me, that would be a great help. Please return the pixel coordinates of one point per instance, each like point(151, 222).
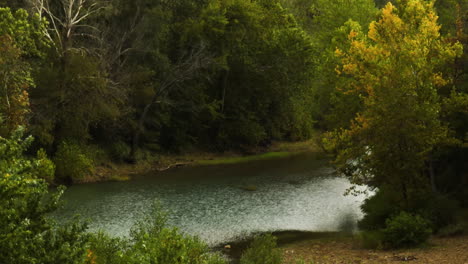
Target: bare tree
point(67, 20)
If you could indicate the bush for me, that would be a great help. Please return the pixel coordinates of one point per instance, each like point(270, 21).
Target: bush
point(72, 164)
point(104, 249)
point(152, 242)
point(378, 208)
point(262, 250)
point(441, 211)
point(119, 151)
point(372, 239)
point(452, 230)
point(27, 235)
point(45, 168)
point(406, 230)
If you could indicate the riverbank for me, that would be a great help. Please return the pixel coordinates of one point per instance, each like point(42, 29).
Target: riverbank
point(112, 171)
point(345, 248)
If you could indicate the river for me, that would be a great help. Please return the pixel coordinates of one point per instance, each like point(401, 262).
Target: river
point(299, 192)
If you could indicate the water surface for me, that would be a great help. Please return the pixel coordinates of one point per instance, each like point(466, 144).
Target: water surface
point(294, 193)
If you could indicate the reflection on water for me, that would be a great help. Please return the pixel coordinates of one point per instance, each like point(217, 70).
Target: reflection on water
point(294, 193)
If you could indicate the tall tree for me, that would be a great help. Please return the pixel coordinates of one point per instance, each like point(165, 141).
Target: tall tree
point(21, 41)
point(396, 70)
point(74, 92)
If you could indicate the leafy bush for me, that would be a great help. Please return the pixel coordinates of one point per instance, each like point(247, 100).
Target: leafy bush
point(27, 235)
point(378, 208)
point(262, 250)
point(372, 239)
point(72, 164)
point(441, 211)
point(152, 242)
point(45, 168)
point(119, 151)
point(104, 249)
point(451, 230)
point(406, 230)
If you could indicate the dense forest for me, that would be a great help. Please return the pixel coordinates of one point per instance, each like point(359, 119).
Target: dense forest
point(84, 80)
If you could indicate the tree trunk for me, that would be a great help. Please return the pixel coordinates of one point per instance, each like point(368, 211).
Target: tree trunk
point(432, 176)
point(224, 83)
point(138, 131)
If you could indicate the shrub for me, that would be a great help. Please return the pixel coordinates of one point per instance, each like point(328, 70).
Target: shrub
point(451, 230)
point(119, 151)
point(441, 211)
point(378, 208)
point(262, 250)
point(45, 168)
point(406, 230)
point(152, 242)
point(372, 239)
point(104, 249)
point(27, 235)
point(72, 164)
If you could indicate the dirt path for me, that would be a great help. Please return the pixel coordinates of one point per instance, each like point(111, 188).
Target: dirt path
point(453, 250)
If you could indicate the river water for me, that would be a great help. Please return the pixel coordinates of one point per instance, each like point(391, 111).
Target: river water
point(294, 193)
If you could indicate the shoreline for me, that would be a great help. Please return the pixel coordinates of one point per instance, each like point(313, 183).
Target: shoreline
point(112, 171)
point(345, 247)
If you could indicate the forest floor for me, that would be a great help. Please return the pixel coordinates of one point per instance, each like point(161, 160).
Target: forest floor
point(111, 171)
point(347, 250)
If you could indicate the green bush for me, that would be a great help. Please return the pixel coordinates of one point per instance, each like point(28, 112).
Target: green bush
point(72, 163)
point(27, 235)
point(441, 211)
point(104, 249)
point(451, 230)
point(262, 250)
point(152, 242)
point(45, 168)
point(372, 239)
point(378, 208)
point(406, 230)
point(119, 151)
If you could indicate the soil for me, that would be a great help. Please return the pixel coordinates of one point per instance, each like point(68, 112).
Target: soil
point(450, 250)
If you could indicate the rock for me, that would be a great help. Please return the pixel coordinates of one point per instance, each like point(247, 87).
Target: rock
point(250, 188)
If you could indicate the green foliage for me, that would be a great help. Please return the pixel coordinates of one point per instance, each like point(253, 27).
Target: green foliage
point(72, 163)
point(406, 230)
point(45, 168)
point(119, 151)
point(390, 141)
point(151, 242)
point(379, 207)
point(262, 250)
point(21, 39)
point(27, 235)
point(26, 31)
point(440, 210)
point(452, 230)
point(76, 96)
point(104, 249)
point(372, 239)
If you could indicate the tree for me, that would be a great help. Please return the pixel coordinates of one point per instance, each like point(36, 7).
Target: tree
point(396, 70)
point(74, 92)
point(21, 41)
point(324, 21)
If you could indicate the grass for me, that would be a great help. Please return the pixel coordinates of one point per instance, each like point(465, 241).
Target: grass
point(150, 162)
point(236, 160)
